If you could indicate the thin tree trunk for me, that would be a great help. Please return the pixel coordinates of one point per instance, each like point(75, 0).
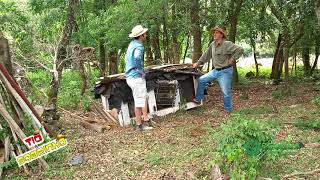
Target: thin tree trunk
point(155, 44)
point(306, 60)
point(118, 58)
point(149, 60)
point(59, 62)
point(295, 66)
point(98, 6)
point(113, 62)
point(186, 50)
point(254, 51)
point(166, 53)
point(286, 60)
point(175, 45)
point(317, 53)
point(318, 10)
point(294, 60)
point(196, 30)
point(255, 60)
point(102, 54)
point(83, 78)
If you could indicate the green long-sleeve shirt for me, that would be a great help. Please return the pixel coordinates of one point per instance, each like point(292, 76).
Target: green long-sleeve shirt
point(221, 54)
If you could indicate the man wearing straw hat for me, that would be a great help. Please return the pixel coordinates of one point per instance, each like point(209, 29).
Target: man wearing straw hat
point(135, 76)
point(223, 54)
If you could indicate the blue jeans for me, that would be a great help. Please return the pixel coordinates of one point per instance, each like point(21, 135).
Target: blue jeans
point(224, 78)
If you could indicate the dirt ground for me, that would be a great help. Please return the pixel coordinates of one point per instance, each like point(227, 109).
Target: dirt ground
point(182, 146)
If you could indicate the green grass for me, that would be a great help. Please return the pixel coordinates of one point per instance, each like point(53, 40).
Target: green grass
point(264, 72)
point(262, 109)
point(282, 92)
point(61, 172)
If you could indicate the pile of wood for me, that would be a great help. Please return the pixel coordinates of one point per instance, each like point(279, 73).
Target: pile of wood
point(106, 121)
point(100, 121)
point(15, 113)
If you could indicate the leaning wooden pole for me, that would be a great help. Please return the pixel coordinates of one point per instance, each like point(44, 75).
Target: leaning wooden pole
point(21, 95)
point(16, 129)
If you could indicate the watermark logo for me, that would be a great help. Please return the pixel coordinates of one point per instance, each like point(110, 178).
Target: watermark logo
point(39, 151)
point(33, 141)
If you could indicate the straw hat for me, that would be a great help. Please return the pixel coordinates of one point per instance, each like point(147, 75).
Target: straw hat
point(219, 29)
point(137, 31)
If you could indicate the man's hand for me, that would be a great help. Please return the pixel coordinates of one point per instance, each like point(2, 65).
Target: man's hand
point(195, 65)
point(143, 75)
point(231, 62)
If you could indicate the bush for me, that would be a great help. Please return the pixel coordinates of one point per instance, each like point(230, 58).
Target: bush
point(316, 101)
point(312, 124)
point(69, 91)
point(317, 86)
point(242, 148)
point(282, 92)
point(40, 81)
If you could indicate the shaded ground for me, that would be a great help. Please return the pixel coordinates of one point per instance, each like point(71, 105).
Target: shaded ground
point(182, 144)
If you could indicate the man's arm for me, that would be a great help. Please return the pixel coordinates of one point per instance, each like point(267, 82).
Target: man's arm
point(206, 56)
point(138, 60)
point(236, 52)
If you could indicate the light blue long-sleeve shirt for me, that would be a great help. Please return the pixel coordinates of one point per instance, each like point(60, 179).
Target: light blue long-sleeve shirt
point(134, 60)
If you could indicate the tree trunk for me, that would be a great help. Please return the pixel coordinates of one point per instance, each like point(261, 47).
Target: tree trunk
point(318, 10)
point(59, 63)
point(102, 56)
point(317, 53)
point(98, 6)
point(279, 64)
point(294, 61)
point(113, 62)
point(155, 44)
point(255, 60)
point(175, 45)
point(83, 75)
point(234, 12)
point(5, 58)
point(196, 31)
point(254, 51)
point(306, 60)
point(286, 57)
point(276, 58)
point(166, 54)
point(149, 60)
point(186, 50)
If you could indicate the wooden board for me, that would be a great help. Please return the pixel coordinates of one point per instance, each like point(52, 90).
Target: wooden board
point(94, 126)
